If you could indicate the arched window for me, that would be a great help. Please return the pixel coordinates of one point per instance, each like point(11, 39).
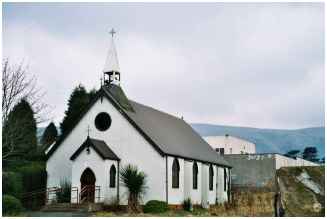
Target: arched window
point(225, 179)
point(195, 175)
point(112, 180)
point(175, 178)
point(210, 177)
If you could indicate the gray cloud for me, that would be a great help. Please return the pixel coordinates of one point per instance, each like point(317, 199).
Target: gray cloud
point(258, 65)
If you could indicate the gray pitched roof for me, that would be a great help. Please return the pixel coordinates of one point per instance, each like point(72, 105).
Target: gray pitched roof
point(172, 135)
point(99, 146)
point(169, 135)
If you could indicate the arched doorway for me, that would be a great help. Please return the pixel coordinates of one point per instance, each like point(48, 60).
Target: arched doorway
point(87, 186)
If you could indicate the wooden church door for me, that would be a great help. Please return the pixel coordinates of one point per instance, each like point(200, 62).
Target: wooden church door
point(87, 186)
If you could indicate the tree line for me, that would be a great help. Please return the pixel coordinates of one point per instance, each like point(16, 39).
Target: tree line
point(308, 153)
point(23, 157)
point(23, 110)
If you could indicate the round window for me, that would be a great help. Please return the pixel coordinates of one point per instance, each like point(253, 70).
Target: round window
point(102, 121)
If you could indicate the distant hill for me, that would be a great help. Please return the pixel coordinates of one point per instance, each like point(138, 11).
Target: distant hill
point(270, 140)
point(266, 140)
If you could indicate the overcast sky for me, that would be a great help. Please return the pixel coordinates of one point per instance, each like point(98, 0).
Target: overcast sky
point(258, 65)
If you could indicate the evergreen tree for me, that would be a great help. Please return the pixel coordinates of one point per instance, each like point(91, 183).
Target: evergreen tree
point(292, 153)
point(77, 102)
point(19, 131)
point(310, 153)
point(50, 135)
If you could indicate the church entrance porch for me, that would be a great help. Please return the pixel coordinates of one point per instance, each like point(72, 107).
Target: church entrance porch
point(88, 187)
point(94, 173)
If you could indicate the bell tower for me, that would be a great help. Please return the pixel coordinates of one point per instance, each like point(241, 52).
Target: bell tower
point(111, 71)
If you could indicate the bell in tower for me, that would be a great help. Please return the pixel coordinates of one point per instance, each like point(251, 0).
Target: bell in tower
point(111, 69)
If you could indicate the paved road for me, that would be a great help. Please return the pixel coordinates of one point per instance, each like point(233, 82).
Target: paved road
point(58, 214)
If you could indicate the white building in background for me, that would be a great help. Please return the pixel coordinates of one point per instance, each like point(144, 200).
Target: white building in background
point(227, 144)
point(114, 131)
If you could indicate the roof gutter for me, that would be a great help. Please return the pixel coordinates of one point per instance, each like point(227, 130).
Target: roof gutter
point(203, 161)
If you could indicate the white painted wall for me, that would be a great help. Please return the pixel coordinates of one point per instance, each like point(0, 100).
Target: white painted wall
point(188, 174)
point(132, 148)
point(129, 145)
point(189, 192)
point(212, 193)
point(283, 161)
point(221, 194)
point(231, 144)
point(101, 170)
point(196, 193)
point(175, 195)
point(204, 185)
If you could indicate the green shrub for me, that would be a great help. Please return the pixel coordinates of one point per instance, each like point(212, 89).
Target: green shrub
point(187, 205)
point(64, 195)
point(155, 206)
point(11, 206)
point(12, 184)
point(34, 177)
point(135, 182)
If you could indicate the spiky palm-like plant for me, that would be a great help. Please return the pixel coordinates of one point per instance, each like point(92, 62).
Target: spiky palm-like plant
point(135, 181)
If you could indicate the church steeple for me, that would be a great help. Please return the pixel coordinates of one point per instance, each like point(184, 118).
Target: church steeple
point(111, 69)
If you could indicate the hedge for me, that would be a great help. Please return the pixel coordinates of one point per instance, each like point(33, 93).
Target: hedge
point(11, 206)
point(12, 184)
point(155, 206)
point(34, 177)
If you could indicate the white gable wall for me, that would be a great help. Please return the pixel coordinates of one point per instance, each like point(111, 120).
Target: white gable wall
point(100, 169)
point(123, 139)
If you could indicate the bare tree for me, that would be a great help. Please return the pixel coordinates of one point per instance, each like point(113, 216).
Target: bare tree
point(18, 84)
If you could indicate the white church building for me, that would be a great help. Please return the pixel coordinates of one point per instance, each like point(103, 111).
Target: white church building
point(178, 163)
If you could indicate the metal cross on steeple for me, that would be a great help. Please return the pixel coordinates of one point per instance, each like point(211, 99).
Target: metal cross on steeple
point(112, 32)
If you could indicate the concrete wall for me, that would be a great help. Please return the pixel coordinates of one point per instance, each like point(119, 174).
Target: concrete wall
point(255, 170)
point(231, 145)
point(259, 169)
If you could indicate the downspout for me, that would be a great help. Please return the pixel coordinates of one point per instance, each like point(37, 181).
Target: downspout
point(167, 179)
point(229, 185)
point(118, 182)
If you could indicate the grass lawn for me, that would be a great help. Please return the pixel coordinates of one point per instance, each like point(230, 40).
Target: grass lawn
point(169, 213)
point(215, 211)
point(249, 203)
